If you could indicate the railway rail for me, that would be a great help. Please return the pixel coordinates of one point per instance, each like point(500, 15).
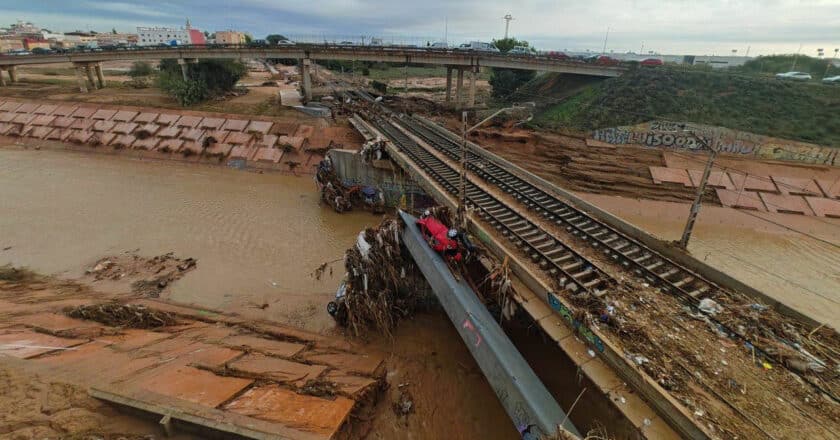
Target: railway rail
point(572, 271)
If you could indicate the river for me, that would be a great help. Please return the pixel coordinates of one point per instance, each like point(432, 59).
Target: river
point(257, 237)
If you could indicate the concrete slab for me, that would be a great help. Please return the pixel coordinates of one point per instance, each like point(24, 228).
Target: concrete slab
point(23, 118)
point(149, 128)
point(82, 124)
point(670, 175)
point(830, 188)
point(170, 145)
point(123, 141)
point(237, 138)
point(124, 127)
point(188, 121)
point(189, 148)
point(218, 149)
point(823, 207)
point(169, 132)
point(62, 122)
point(134, 339)
point(797, 186)
point(276, 369)
point(594, 143)
point(26, 107)
point(294, 142)
point(85, 363)
point(25, 344)
point(349, 384)
point(261, 127)
point(9, 106)
point(146, 117)
point(353, 363)
point(211, 123)
point(104, 114)
point(65, 110)
point(235, 125)
point(271, 155)
point(39, 132)
point(7, 116)
point(102, 138)
point(740, 199)
point(242, 152)
point(5, 127)
point(193, 134)
point(284, 128)
point(269, 346)
point(306, 413)
point(304, 131)
point(54, 323)
point(104, 125)
point(125, 115)
point(191, 384)
point(58, 134)
point(43, 120)
point(45, 109)
point(752, 183)
point(267, 141)
point(786, 204)
point(717, 179)
point(146, 144)
point(167, 118)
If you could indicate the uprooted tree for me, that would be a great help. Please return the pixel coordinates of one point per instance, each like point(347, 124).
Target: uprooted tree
point(205, 79)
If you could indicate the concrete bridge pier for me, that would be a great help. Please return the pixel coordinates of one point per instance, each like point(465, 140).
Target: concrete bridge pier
point(184, 68)
point(473, 77)
point(459, 89)
point(80, 77)
point(12, 74)
point(100, 77)
point(91, 80)
point(2, 79)
point(305, 66)
point(448, 84)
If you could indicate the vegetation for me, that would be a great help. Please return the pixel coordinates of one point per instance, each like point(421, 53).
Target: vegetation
point(205, 79)
point(140, 69)
point(773, 64)
point(732, 99)
point(380, 87)
point(506, 81)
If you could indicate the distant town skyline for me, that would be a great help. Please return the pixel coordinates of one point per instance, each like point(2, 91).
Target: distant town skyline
point(669, 27)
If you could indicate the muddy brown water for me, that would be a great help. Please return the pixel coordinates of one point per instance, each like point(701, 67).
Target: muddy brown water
point(257, 237)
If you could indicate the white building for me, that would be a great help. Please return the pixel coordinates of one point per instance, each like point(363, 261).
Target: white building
point(153, 36)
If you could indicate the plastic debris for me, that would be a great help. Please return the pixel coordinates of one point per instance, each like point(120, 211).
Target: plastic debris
point(709, 306)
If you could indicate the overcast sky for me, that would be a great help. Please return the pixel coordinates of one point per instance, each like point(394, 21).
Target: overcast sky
point(698, 27)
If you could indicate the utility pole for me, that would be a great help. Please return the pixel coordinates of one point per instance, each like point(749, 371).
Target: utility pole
point(462, 184)
point(604, 50)
point(830, 63)
point(507, 18)
point(701, 189)
point(793, 66)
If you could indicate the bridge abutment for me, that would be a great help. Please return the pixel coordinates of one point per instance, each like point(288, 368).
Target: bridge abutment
point(459, 89)
point(473, 76)
point(305, 67)
point(100, 77)
point(448, 84)
point(12, 74)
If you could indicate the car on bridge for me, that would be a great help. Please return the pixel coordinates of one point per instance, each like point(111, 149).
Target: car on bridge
point(651, 62)
point(557, 55)
point(439, 45)
point(602, 60)
point(519, 50)
point(479, 46)
point(832, 80)
point(794, 76)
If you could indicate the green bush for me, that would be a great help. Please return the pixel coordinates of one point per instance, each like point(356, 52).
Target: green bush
point(205, 79)
point(140, 69)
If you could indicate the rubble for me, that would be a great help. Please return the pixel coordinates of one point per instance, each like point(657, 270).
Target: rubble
point(123, 315)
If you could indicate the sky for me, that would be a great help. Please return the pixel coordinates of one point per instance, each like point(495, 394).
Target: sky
point(699, 27)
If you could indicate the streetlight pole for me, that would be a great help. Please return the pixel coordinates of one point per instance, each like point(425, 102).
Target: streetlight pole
point(462, 181)
point(701, 189)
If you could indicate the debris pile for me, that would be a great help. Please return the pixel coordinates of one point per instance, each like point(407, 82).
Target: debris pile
point(147, 276)
point(382, 284)
point(333, 192)
point(123, 315)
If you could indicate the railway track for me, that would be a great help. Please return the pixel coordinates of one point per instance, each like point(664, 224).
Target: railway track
point(572, 271)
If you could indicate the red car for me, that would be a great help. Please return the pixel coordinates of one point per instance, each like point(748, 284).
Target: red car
point(555, 55)
point(437, 234)
point(651, 62)
point(603, 60)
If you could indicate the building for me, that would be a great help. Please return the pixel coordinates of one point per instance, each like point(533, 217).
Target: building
point(9, 44)
point(22, 29)
point(230, 37)
point(118, 39)
point(33, 43)
point(153, 36)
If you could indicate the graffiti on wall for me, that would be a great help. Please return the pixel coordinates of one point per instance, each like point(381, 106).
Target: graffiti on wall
point(692, 137)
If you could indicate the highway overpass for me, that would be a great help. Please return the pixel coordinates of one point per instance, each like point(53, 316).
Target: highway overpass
point(88, 62)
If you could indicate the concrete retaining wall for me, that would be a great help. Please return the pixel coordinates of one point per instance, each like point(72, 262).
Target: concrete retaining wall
point(394, 183)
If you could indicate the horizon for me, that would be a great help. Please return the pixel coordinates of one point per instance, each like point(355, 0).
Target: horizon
point(670, 28)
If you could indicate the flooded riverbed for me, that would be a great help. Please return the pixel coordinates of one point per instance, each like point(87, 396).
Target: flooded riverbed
point(257, 237)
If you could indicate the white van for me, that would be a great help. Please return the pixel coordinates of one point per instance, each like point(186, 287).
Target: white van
point(478, 46)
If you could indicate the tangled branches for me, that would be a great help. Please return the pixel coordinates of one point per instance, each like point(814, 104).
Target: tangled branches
point(123, 315)
point(381, 283)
